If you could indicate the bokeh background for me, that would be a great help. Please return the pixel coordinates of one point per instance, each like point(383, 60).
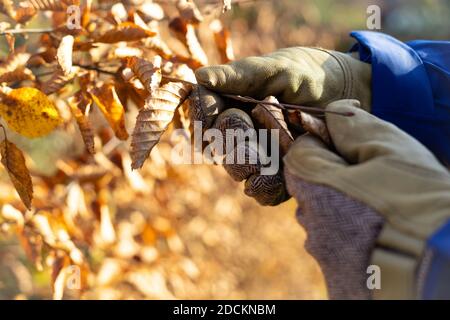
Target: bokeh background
point(188, 231)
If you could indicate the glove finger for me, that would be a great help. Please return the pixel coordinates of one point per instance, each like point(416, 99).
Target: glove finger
point(241, 169)
point(233, 123)
point(310, 157)
point(363, 137)
point(267, 190)
point(205, 106)
point(247, 77)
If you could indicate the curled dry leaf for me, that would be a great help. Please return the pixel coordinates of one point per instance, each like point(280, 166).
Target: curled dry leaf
point(126, 31)
point(153, 120)
point(7, 7)
point(226, 5)
point(20, 74)
point(9, 213)
point(159, 46)
point(223, 41)
point(149, 73)
point(14, 162)
point(11, 40)
point(29, 112)
point(24, 13)
point(59, 275)
point(316, 127)
point(14, 62)
point(79, 106)
point(151, 11)
point(185, 32)
point(106, 99)
point(119, 12)
point(14, 68)
point(64, 54)
point(57, 81)
point(271, 117)
point(52, 5)
point(189, 11)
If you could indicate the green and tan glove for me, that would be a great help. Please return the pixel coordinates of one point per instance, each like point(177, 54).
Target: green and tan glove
point(374, 202)
point(299, 75)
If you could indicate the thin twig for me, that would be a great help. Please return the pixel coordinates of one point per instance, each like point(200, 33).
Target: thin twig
point(22, 31)
point(172, 79)
point(287, 105)
point(94, 68)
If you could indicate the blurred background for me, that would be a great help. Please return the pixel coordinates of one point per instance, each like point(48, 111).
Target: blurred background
point(188, 231)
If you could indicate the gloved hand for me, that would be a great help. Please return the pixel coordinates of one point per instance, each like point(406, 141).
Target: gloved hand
point(374, 202)
point(308, 76)
point(313, 77)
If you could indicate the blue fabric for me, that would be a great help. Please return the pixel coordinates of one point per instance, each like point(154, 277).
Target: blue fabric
point(437, 281)
point(411, 88)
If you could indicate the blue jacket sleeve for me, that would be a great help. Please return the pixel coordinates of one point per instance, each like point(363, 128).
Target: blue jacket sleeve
point(411, 86)
point(411, 89)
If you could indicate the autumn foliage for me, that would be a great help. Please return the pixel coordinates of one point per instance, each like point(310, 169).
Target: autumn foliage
point(122, 86)
point(115, 62)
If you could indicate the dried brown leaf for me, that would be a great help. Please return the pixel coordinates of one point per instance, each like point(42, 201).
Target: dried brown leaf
point(59, 275)
point(126, 31)
point(189, 11)
point(11, 40)
point(149, 73)
point(106, 99)
point(17, 75)
point(271, 117)
point(316, 127)
point(151, 11)
point(14, 62)
point(226, 5)
point(185, 32)
point(57, 82)
point(64, 54)
point(7, 7)
point(79, 106)
point(24, 13)
point(223, 41)
point(153, 120)
point(14, 162)
point(52, 5)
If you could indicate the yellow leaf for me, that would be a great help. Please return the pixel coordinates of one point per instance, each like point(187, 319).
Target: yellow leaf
point(29, 112)
point(106, 99)
point(14, 162)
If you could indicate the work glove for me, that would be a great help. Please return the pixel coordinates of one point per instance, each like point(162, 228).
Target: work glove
point(374, 201)
point(305, 76)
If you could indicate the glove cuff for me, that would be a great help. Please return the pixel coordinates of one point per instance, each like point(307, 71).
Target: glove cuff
point(357, 78)
point(398, 256)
